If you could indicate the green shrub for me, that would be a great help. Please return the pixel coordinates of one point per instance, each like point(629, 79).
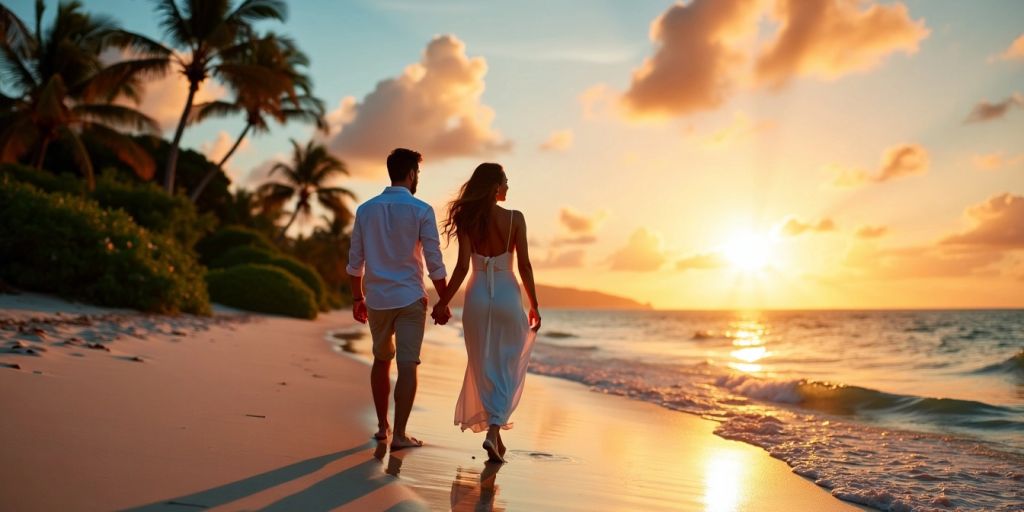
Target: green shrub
point(306, 273)
point(155, 209)
point(225, 239)
point(242, 255)
point(262, 288)
point(44, 180)
point(70, 246)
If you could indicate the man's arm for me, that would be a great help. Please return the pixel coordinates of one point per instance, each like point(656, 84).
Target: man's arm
point(430, 241)
point(355, 268)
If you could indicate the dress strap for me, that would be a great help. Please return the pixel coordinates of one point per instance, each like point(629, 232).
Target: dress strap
point(508, 244)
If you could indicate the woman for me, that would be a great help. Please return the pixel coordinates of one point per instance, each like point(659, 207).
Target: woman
point(498, 334)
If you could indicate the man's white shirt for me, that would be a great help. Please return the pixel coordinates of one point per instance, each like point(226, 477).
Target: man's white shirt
point(393, 234)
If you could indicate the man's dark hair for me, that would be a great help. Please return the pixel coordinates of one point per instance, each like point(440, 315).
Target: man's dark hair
point(401, 162)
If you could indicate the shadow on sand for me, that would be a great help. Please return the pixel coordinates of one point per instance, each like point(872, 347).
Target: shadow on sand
point(326, 494)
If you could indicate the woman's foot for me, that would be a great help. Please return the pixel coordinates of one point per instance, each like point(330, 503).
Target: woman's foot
point(501, 446)
point(492, 451)
point(382, 433)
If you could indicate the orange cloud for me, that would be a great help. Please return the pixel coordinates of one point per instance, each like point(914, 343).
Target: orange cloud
point(578, 222)
point(897, 162)
point(560, 140)
point(995, 161)
point(794, 226)
point(741, 127)
point(1015, 51)
point(573, 258)
point(871, 231)
point(828, 39)
point(163, 98)
point(702, 262)
point(986, 111)
point(433, 107)
point(999, 223)
point(643, 253)
point(693, 67)
point(216, 150)
point(919, 262)
point(596, 101)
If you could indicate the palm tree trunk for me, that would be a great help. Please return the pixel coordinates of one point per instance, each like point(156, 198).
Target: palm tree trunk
point(220, 165)
point(41, 155)
point(172, 157)
point(295, 214)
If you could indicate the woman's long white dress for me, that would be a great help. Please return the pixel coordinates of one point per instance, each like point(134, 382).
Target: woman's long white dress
point(498, 344)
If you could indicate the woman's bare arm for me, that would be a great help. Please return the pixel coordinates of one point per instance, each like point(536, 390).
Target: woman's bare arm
point(459, 274)
point(526, 269)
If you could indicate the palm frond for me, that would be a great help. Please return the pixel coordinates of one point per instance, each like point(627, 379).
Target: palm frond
point(136, 43)
point(116, 116)
point(258, 10)
point(14, 34)
point(15, 70)
point(203, 111)
point(124, 148)
point(122, 78)
point(173, 23)
point(79, 154)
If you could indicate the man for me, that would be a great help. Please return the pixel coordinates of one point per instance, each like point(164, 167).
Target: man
point(393, 234)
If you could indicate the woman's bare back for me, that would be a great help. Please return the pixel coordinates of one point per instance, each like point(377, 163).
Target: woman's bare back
point(498, 235)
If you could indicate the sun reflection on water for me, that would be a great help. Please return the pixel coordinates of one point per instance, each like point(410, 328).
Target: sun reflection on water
point(723, 478)
point(748, 337)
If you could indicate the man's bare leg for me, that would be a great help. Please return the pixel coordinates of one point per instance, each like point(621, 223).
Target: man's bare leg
point(380, 384)
point(405, 393)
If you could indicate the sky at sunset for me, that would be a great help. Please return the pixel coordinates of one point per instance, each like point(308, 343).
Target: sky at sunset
point(700, 155)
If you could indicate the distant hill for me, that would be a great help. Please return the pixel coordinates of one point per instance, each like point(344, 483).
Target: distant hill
point(556, 297)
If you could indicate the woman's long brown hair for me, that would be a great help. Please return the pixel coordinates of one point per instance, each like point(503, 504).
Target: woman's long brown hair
point(470, 212)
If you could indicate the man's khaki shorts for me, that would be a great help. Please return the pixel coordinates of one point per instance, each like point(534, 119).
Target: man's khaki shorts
point(398, 333)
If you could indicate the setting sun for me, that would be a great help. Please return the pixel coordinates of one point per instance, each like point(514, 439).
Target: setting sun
point(748, 251)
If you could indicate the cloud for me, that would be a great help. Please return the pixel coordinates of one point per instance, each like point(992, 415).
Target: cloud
point(794, 226)
point(986, 111)
point(164, 98)
point(828, 39)
point(573, 258)
point(694, 65)
point(643, 253)
point(1015, 51)
point(578, 222)
point(897, 162)
point(867, 232)
point(216, 150)
point(704, 49)
point(999, 224)
point(260, 173)
point(702, 262)
point(995, 161)
point(560, 140)
point(597, 101)
point(433, 107)
point(918, 262)
point(741, 127)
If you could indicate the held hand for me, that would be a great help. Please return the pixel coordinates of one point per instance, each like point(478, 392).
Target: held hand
point(441, 313)
point(534, 320)
point(359, 311)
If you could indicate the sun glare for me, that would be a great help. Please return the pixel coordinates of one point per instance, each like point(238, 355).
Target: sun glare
point(748, 251)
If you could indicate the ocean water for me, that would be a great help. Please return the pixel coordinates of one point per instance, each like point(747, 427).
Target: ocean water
point(897, 410)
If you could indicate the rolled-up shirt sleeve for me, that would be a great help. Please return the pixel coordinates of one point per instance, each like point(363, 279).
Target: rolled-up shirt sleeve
point(431, 243)
point(356, 255)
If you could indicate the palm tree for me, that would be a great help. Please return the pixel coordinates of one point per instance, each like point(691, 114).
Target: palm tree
point(213, 36)
point(258, 101)
point(311, 169)
point(64, 91)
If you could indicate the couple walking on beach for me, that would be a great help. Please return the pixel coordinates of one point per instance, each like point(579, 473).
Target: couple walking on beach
point(393, 236)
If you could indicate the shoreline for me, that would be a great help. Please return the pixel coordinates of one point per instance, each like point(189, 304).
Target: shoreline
point(571, 448)
point(243, 411)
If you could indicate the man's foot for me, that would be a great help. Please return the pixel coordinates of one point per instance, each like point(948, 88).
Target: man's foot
point(400, 442)
point(383, 433)
point(492, 451)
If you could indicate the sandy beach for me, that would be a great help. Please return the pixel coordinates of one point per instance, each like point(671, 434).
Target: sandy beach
point(250, 412)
